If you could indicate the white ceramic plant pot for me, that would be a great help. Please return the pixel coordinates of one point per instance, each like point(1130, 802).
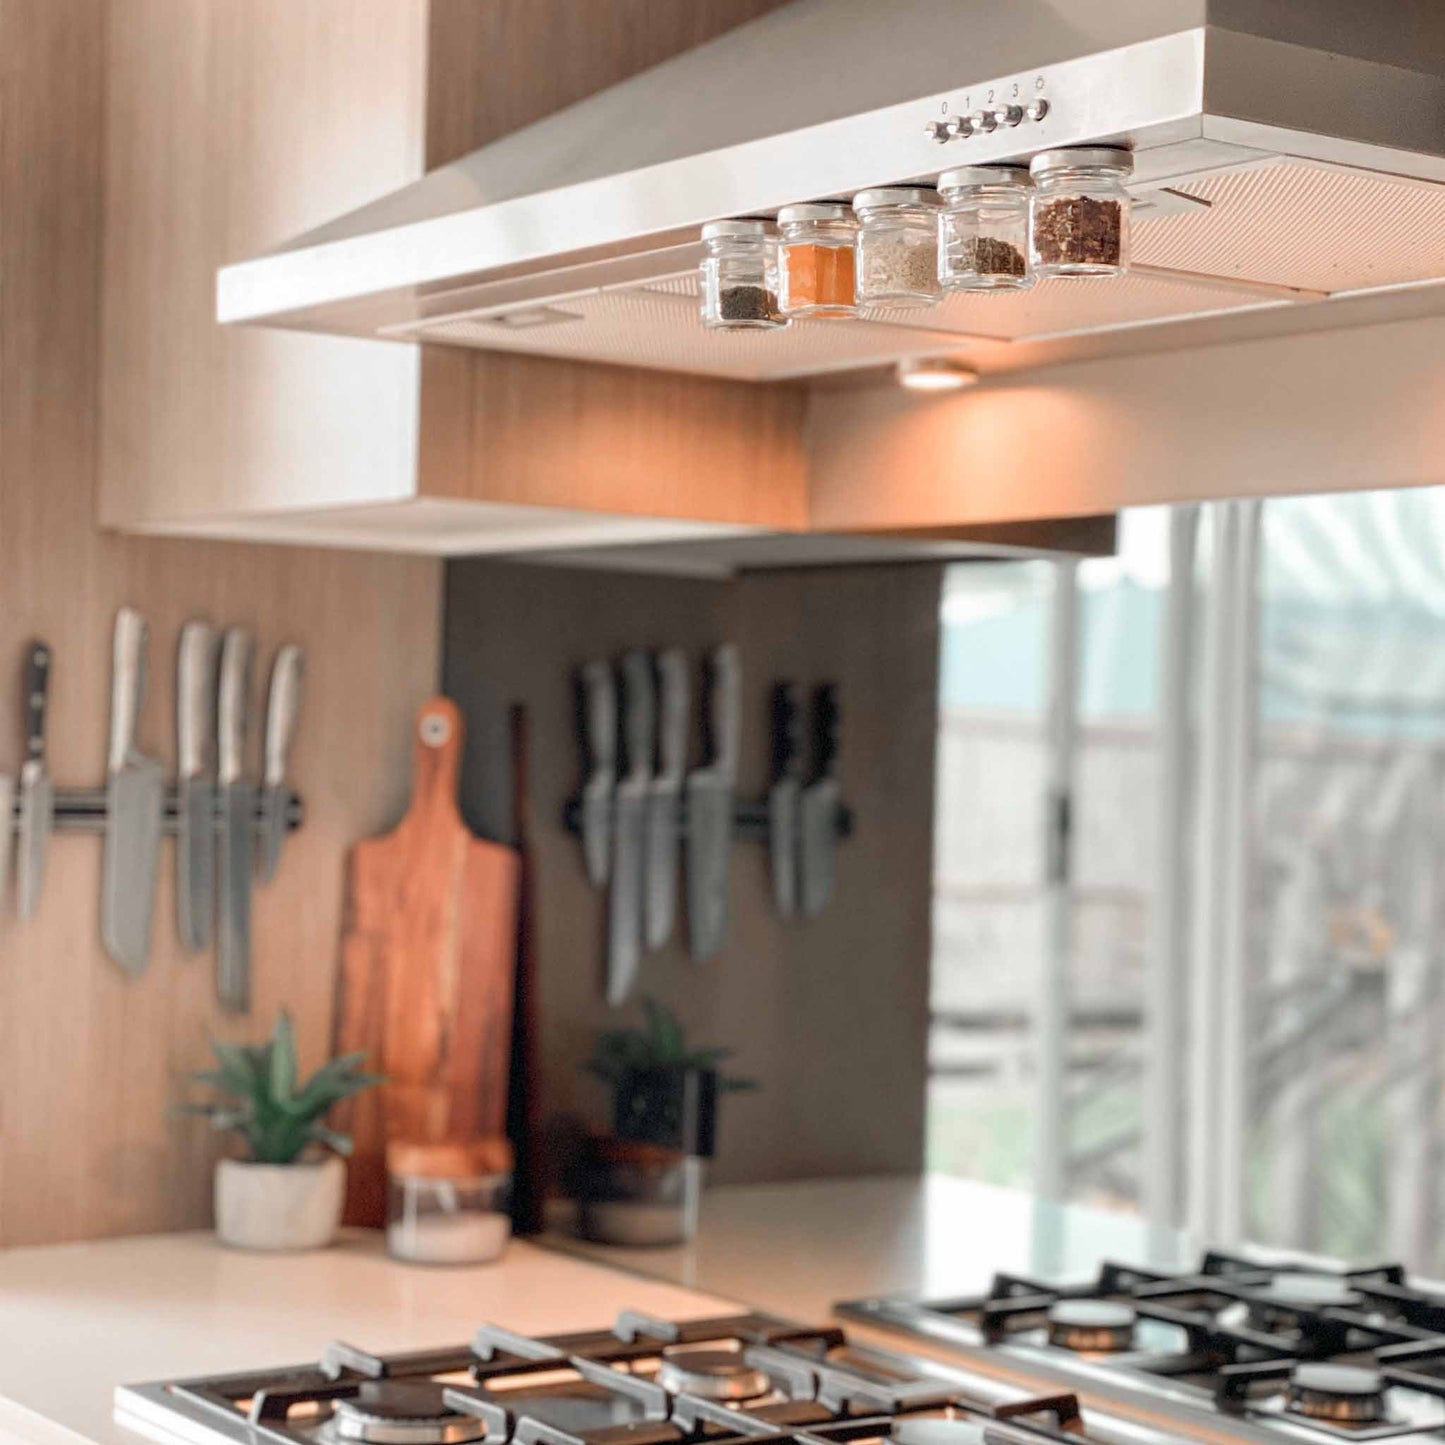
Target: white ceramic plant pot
point(279, 1206)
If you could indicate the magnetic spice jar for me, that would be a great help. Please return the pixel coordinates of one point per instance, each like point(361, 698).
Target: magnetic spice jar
point(816, 260)
point(739, 276)
point(983, 229)
point(1079, 220)
point(897, 246)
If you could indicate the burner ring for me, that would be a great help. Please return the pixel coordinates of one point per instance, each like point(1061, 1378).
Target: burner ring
point(711, 1374)
point(389, 1412)
point(1091, 1326)
point(1289, 1295)
point(1341, 1394)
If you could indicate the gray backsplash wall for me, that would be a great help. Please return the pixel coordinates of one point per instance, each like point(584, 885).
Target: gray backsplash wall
point(830, 1015)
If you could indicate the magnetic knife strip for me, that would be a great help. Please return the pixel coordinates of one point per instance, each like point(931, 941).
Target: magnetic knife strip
point(83, 810)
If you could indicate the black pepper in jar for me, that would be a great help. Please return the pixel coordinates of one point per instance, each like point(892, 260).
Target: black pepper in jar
point(1078, 231)
point(747, 303)
point(989, 256)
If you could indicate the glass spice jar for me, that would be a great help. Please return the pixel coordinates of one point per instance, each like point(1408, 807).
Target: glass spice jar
point(450, 1202)
point(815, 260)
point(739, 275)
point(983, 229)
point(1079, 222)
point(897, 246)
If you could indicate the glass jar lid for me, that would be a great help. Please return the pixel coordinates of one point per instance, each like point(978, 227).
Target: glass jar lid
point(962, 178)
point(449, 1159)
point(895, 196)
point(744, 230)
point(1103, 158)
point(815, 211)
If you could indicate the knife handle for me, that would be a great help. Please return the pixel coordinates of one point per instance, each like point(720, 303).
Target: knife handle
point(37, 687)
point(128, 680)
point(725, 709)
point(283, 708)
point(195, 698)
point(672, 710)
point(787, 730)
point(825, 729)
point(234, 700)
point(639, 712)
point(599, 701)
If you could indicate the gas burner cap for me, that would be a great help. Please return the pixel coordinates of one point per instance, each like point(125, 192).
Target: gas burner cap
point(1306, 1292)
point(936, 1431)
point(1343, 1394)
point(1092, 1326)
point(711, 1374)
point(392, 1412)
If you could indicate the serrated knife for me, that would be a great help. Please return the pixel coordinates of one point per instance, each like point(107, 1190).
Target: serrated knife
point(37, 794)
point(135, 802)
point(664, 797)
point(818, 812)
point(629, 827)
point(599, 737)
point(196, 657)
point(283, 709)
point(710, 808)
point(238, 825)
point(783, 798)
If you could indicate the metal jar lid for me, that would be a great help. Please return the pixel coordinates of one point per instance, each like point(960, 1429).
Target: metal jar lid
point(743, 230)
point(1111, 158)
point(895, 196)
point(963, 177)
point(815, 211)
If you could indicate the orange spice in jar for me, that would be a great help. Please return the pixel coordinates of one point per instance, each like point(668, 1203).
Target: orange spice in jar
point(816, 260)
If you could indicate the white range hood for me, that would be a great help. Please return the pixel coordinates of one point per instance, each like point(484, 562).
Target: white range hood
point(1289, 158)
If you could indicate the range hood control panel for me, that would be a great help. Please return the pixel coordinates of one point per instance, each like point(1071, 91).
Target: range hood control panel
point(1005, 106)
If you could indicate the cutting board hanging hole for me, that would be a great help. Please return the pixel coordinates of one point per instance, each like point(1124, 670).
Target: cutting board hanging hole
point(436, 729)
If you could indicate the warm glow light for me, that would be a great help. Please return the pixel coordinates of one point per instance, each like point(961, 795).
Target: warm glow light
point(935, 373)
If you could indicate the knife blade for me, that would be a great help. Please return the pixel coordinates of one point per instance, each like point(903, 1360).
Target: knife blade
point(37, 794)
point(818, 811)
point(134, 802)
point(283, 708)
point(664, 796)
point(238, 824)
point(629, 825)
point(196, 657)
point(710, 808)
point(783, 797)
point(7, 831)
point(599, 733)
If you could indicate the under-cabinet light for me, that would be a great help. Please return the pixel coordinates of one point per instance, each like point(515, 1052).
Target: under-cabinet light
point(935, 373)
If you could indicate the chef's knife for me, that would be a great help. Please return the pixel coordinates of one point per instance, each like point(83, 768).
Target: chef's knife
point(599, 726)
point(283, 706)
point(710, 808)
point(818, 812)
point(783, 797)
point(196, 783)
point(664, 797)
point(37, 795)
point(629, 812)
point(134, 803)
point(238, 825)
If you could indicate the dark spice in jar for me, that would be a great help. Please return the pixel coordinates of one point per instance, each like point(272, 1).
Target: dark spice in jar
point(747, 303)
point(1077, 231)
point(989, 256)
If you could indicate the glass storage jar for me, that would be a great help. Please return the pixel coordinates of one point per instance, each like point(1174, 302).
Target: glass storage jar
point(1079, 221)
point(897, 246)
point(983, 229)
point(815, 260)
point(739, 275)
point(448, 1203)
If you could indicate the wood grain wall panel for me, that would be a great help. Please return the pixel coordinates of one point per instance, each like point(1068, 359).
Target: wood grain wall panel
point(91, 1061)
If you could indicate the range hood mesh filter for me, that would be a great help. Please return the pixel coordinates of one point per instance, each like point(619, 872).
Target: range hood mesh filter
point(1297, 223)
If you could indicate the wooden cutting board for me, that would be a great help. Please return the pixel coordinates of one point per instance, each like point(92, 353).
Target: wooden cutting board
point(428, 956)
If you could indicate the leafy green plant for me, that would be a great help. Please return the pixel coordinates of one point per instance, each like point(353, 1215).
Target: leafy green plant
point(660, 1044)
point(260, 1099)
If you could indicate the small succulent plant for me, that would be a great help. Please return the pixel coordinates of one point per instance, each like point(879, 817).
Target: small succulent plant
point(261, 1101)
point(660, 1044)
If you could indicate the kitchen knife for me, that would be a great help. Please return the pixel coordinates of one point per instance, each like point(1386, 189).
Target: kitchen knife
point(818, 811)
point(664, 797)
point(238, 825)
point(783, 798)
point(629, 813)
point(599, 730)
point(37, 795)
point(7, 831)
point(710, 808)
point(134, 803)
point(196, 783)
point(283, 706)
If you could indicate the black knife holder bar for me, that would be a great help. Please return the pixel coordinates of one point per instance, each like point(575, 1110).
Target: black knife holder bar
point(750, 820)
point(83, 810)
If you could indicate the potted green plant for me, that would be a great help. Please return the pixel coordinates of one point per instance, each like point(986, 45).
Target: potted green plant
point(641, 1184)
point(286, 1192)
